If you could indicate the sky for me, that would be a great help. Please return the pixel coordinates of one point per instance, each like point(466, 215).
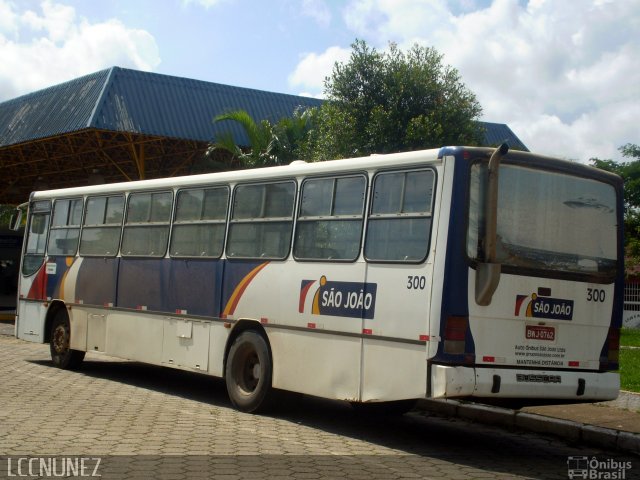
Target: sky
point(563, 74)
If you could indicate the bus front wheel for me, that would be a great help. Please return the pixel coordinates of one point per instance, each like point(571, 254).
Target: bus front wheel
point(61, 353)
point(248, 372)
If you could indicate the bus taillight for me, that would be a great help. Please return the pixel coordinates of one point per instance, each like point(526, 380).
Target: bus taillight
point(611, 349)
point(455, 331)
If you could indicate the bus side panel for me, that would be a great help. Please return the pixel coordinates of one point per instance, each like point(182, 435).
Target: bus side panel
point(455, 270)
point(315, 340)
point(142, 284)
point(170, 285)
point(135, 337)
point(30, 321)
point(440, 248)
point(95, 282)
point(401, 325)
point(393, 371)
point(316, 364)
point(218, 336)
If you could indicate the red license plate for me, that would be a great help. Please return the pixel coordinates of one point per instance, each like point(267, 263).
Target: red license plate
point(538, 332)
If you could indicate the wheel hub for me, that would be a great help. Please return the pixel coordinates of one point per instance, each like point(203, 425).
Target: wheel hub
point(60, 340)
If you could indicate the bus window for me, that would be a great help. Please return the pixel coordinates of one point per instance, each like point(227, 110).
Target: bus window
point(65, 227)
point(400, 217)
point(262, 221)
point(330, 219)
point(199, 224)
point(36, 237)
point(102, 226)
point(577, 233)
point(146, 230)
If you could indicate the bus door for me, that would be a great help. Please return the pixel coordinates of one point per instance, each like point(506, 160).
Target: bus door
point(398, 284)
point(33, 275)
point(330, 294)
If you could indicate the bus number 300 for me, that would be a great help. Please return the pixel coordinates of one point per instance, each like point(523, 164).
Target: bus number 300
point(415, 282)
point(595, 295)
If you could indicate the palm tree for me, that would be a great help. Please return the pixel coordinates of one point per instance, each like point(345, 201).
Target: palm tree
point(262, 140)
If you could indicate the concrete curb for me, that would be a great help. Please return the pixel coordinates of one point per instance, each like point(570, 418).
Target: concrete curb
point(606, 438)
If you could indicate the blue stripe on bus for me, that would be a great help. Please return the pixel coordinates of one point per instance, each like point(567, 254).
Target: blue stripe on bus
point(456, 272)
point(170, 285)
point(96, 281)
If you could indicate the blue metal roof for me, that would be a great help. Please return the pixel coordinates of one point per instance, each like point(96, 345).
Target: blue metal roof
point(53, 111)
point(498, 133)
point(125, 100)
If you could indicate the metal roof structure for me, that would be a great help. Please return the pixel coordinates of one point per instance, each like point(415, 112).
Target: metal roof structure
point(121, 124)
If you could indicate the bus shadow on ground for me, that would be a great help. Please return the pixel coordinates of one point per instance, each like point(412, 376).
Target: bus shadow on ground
point(417, 433)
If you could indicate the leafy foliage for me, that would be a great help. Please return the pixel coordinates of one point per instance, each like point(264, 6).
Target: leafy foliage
point(6, 212)
point(381, 102)
point(261, 137)
point(630, 172)
point(378, 102)
point(268, 144)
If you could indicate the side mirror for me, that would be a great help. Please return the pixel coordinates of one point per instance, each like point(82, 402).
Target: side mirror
point(487, 280)
point(488, 272)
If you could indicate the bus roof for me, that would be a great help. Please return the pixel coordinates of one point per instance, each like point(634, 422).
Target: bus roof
point(296, 168)
point(303, 168)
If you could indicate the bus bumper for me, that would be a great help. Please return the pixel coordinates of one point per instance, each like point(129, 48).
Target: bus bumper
point(449, 382)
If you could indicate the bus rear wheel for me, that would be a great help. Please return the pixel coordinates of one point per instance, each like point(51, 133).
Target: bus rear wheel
point(248, 372)
point(61, 353)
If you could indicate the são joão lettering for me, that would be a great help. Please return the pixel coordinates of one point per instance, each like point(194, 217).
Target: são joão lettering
point(555, 308)
point(348, 299)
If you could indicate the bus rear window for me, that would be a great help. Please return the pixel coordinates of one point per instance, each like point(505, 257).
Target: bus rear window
point(546, 221)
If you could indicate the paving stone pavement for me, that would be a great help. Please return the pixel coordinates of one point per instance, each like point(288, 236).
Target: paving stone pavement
point(144, 421)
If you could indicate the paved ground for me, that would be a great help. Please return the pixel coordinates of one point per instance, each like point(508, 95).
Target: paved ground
point(151, 422)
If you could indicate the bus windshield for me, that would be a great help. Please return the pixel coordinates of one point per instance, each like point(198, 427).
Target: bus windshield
point(547, 221)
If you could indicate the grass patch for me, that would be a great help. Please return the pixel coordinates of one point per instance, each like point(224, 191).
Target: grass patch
point(630, 370)
point(630, 337)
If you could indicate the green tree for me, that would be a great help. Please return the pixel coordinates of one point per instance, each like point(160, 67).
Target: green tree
point(6, 212)
point(262, 140)
point(380, 102)
point(630, 172)
point(291, 133)
point(269, 144)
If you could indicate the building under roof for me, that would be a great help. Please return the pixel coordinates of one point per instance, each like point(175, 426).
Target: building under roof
point(121, 124)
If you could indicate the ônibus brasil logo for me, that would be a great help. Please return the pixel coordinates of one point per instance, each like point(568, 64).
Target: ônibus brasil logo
point(538, 306)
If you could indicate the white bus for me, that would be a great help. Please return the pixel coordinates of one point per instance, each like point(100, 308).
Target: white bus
point(453, 272)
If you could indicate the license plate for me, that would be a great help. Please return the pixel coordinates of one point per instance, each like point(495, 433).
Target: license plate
point(538, 332)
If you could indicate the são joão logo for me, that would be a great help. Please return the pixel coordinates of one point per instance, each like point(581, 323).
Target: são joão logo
point(538, 306)
point(339, 299)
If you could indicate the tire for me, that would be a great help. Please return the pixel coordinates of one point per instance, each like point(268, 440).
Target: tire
point(248, 373)
point(61, 355)
point(395, 408)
